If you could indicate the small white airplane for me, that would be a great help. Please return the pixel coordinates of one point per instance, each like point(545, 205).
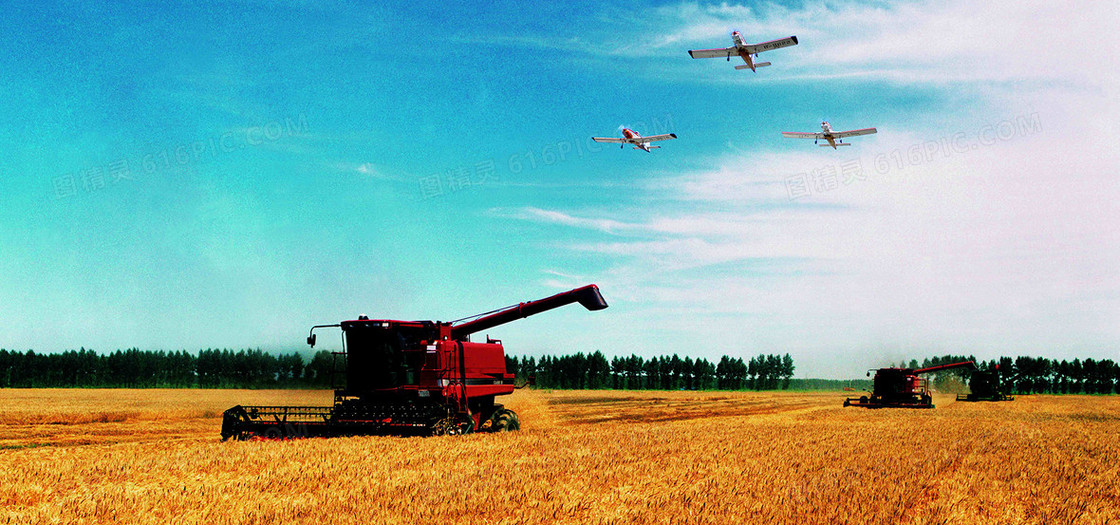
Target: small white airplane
point(834, 138)
point(630, 136)
point(745, 50)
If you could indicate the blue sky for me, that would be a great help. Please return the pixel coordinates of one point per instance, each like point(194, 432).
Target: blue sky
point(226, 176)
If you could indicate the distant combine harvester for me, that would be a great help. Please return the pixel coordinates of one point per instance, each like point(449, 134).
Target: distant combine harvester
point(901, 387)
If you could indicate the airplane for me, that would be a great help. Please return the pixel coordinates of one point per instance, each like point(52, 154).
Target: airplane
point(745, 50)
point(630, 136)
point(833, 137)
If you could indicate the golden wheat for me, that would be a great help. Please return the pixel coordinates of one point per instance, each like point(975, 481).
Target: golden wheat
point(581, 457)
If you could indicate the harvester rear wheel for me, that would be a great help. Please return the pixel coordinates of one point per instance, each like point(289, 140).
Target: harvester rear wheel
point(505, 420)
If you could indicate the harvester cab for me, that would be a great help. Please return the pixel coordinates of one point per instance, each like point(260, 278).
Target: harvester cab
point(411, 377)
point(901, 387)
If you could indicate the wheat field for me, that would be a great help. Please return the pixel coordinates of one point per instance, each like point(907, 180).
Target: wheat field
point(154, 456)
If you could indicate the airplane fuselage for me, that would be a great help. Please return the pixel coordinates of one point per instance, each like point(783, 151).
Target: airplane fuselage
point(635, 138)
point(827, 130)
point(741, 46)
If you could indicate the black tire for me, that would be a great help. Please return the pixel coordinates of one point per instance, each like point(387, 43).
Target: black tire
point(505, 420)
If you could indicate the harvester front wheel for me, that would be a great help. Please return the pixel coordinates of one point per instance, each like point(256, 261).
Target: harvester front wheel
point(505, 420)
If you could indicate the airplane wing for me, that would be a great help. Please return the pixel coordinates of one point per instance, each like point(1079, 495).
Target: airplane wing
point(653, 138)
point(714, 53)
point(854, 132)
point(800, 135)
point(773, 44)
point(612, 140)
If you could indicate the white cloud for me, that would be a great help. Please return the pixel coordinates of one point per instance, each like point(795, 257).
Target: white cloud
point(372, 171)
point(986, 228)
point(908, 42)
point(557, 217)
point(895, 41)
point(995, 237)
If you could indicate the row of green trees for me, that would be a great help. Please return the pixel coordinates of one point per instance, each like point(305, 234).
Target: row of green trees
point(1039, 375)
point(133, 368)
point(595, 371)
point(224, 368)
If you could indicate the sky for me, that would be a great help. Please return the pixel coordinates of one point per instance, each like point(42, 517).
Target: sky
point(228, 175)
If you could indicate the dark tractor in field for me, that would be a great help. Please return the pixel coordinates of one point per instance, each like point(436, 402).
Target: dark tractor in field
point(987, 385)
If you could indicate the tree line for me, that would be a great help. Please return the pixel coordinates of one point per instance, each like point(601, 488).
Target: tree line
point(254, 368)
point(1037, 375)
point(595, 371)
point(133, 368)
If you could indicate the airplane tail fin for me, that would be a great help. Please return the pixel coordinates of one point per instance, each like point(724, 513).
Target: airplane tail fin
point(825, 145)
point(650, 147)
point(756, 65)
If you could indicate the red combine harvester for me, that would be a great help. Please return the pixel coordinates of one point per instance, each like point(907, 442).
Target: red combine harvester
point(409, 377)
point(901, 388)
